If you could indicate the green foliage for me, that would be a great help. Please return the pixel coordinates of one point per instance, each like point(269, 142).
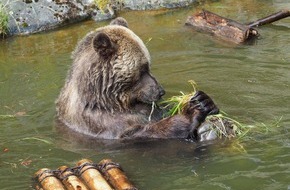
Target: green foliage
point(102, 4)
point(177, 103)
point(3, 20)
point(222, 124)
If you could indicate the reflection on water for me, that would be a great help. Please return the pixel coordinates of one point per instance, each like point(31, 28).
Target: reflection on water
point(251, 83)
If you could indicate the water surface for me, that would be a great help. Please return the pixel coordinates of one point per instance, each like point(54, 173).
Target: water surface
point(249, 82)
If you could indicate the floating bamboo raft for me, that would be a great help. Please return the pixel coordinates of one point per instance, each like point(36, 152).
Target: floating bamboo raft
point(86, 175)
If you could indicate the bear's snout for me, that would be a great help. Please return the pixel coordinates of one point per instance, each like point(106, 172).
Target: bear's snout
point(161, 92)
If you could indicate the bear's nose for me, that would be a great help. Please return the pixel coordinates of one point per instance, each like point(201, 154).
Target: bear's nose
point(161, 91)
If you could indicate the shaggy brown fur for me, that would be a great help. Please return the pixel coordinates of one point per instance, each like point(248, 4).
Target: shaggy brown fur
point(109, 90)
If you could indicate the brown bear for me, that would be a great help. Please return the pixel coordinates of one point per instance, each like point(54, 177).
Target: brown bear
point(109, 91)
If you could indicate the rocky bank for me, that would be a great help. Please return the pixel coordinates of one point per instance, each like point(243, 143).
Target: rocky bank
point(32, 16)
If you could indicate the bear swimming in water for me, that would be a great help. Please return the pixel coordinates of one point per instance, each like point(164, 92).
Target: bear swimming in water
point(109, 91)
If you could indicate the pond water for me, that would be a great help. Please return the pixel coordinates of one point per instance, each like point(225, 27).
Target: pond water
point(249, 82)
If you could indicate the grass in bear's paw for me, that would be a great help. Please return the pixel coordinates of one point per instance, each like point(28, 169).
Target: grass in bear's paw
point(222, 124)
point(177, 103)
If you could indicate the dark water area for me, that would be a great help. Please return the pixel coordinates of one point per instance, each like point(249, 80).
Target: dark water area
point(251, 83)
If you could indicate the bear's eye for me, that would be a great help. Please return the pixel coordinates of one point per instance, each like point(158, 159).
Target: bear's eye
point(144, 69)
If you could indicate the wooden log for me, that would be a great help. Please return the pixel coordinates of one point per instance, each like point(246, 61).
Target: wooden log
point(48, 180)
point(70, 180)
point(228, 29)
point(221, 27)
point(116, 176)
point(92, 177)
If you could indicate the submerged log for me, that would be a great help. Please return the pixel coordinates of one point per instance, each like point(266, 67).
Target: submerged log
point(228, 29)
point(221, 27)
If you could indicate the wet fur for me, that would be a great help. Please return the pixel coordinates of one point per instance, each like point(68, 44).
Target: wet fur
point(109, 90)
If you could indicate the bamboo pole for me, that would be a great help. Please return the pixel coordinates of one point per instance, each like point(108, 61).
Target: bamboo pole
point(92, 177)
point(70, 180)
point(48, 180)
point(116, 176)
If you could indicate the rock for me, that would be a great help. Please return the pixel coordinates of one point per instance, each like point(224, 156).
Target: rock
point(99, 15)
point(32, 16)
point(155, 4)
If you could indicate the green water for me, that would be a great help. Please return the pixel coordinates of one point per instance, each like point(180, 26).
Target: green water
point(249, 82)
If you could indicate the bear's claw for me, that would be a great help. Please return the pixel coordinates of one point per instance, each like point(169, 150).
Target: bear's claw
point(203, 106)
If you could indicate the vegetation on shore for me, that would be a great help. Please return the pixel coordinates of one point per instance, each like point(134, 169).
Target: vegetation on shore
point(102, 4)
point(3, 20)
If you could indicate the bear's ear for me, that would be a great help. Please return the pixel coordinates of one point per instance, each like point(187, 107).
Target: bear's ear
point(103, 45)
point(119, 21)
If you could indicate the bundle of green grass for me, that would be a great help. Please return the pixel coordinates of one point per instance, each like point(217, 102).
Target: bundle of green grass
point(215, 126)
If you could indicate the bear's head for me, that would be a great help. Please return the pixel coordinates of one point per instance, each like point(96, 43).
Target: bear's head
point(113, 70)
